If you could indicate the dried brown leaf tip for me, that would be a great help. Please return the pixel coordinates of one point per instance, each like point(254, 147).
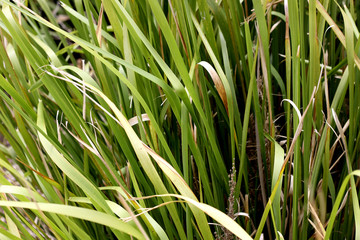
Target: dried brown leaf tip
point(217, 81)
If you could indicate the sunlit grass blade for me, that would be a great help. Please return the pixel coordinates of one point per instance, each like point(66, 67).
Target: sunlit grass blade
point(83, 213)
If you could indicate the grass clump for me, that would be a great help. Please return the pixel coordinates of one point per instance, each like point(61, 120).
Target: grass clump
point(179, 119)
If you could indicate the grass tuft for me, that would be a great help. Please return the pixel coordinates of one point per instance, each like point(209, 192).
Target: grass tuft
point(179, 119)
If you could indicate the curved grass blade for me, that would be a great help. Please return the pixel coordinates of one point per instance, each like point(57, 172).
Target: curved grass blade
point(78, 212)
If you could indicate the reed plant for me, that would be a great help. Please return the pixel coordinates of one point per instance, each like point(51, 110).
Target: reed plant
point(179, 119)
